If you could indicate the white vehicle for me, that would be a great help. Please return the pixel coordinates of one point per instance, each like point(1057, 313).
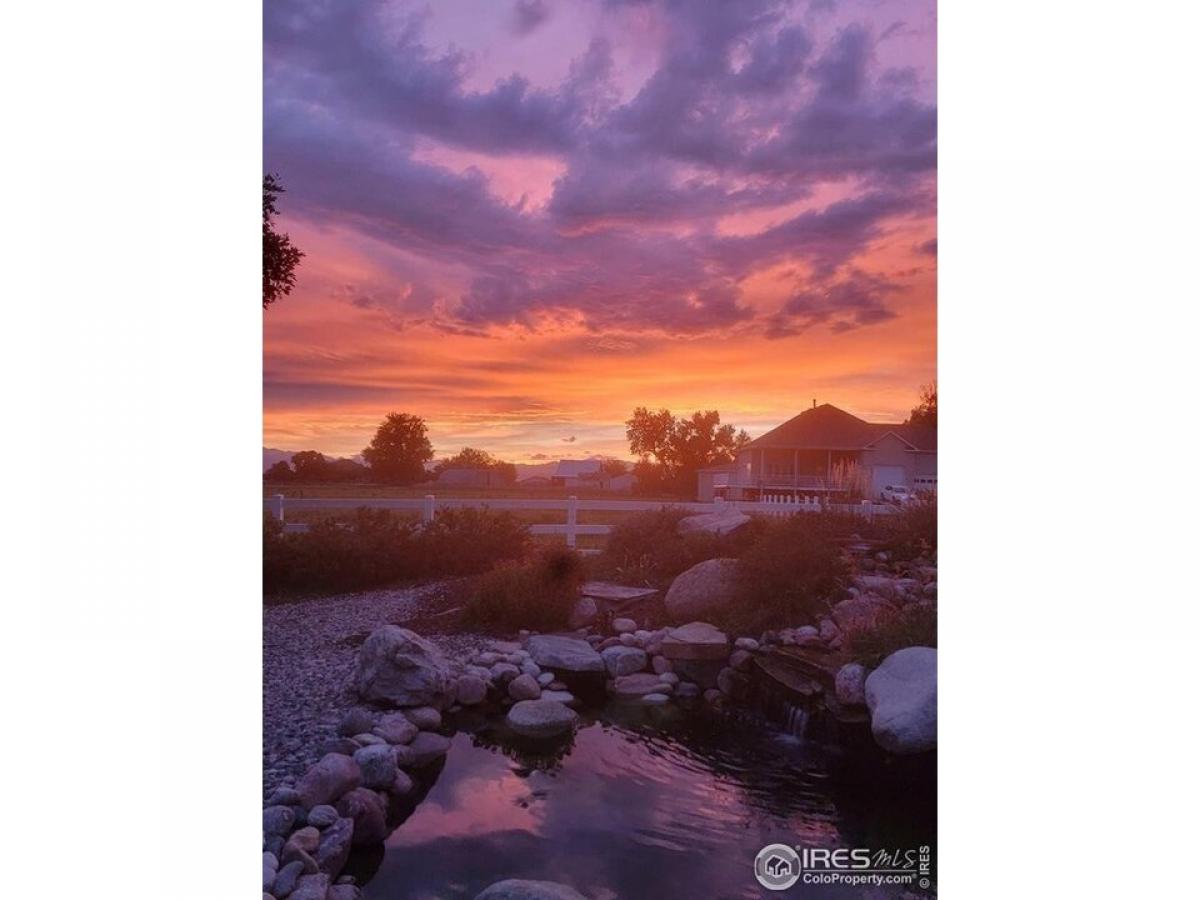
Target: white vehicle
point(897, 493)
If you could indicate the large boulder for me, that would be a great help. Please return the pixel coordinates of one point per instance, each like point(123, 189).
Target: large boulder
point(623, 660)
point(902, 697)
point(719, 523)
point(540, 718)
point(328, 779)
point(398, 667)
point(564, 654)
point(705, 587)
point(519, 889)
point(864, 612)
point(696, 640)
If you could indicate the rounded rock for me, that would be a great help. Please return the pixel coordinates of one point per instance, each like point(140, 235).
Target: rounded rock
point(367, 811)
point(377, 764)
point(425, 718)
point(520, 889)
point(427, 747)
point(322, 816)
point(278, 819)
point(470, 690)
point(623, 660)
point(541, 718)
point(395, 728)
point(355, 721)
point(524, 687)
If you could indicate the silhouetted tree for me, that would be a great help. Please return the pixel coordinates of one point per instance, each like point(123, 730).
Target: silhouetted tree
point(468, 458)
point(680, 446)
point(281, 471)
point(399, 450)
point(613, 467)
point(347, 470)
point(471, 458)
point(310, 466)
point(925, 412)
point(280, 255)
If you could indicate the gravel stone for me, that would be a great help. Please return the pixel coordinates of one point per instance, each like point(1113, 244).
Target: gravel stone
point(310, 651)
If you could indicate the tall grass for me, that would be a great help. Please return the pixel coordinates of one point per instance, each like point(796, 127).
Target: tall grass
point(647, 548)
point(792, 572)
point(538, 595)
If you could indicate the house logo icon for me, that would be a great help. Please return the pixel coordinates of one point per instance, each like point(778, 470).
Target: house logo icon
point(777, 867)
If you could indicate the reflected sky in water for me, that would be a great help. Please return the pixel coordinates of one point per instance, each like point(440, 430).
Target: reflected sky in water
point(659, 804)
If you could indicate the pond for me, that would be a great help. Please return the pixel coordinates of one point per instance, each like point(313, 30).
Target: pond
point(642, 802)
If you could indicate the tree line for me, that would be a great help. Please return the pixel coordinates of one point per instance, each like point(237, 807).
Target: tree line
point(670, 451)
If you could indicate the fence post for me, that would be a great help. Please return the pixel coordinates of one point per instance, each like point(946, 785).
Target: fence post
point(572, 509)
point(866, 508)
point(279, 507)
point(427, 510)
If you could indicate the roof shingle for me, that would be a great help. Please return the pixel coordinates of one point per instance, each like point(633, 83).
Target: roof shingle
point(826, 427)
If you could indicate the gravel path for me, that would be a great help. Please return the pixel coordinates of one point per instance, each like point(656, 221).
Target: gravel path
point(309, 653)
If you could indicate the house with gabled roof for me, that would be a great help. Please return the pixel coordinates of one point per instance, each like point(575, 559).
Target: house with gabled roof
point(826, 451)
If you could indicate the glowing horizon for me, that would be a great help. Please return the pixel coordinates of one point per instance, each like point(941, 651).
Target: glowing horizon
point(519, 227)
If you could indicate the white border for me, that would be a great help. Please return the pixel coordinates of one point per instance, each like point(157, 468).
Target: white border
point(131, 638)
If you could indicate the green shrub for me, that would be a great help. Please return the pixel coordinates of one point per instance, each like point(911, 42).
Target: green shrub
point(913, 626)
point(913, 530)
point(538, 595)
point(646, 548)
point(470, 540)
point(791, 572)
point(375, 547)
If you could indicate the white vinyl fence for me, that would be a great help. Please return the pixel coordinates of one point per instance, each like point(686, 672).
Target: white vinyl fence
point(571, 506)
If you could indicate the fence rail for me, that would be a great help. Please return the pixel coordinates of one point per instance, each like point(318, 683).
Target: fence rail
point(572, 506)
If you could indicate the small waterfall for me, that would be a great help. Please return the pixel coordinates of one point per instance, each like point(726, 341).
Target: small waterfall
point(791, 714)
point(796, 720)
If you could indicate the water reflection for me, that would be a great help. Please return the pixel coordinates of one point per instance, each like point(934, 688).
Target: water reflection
point(641, 802)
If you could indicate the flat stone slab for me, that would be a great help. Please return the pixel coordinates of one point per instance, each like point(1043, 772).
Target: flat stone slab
point(570, 654)
point(638, 685)
point(696, 640)
point(616, 593)
point(721, 523)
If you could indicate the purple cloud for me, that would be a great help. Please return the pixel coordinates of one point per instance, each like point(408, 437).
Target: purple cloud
point(752, 106)
point(528, 15)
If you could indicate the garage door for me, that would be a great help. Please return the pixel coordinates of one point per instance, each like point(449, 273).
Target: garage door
point(885, 475)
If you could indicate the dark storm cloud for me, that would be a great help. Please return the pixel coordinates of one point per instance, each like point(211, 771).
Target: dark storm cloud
point(746, 110)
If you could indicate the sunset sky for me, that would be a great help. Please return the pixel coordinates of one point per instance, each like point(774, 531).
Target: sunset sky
point(523, 218)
